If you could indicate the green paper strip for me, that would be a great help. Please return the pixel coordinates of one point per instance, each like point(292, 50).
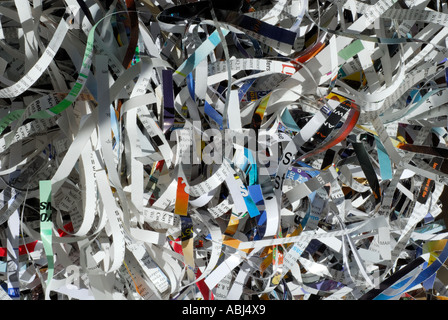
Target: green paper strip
point(72, 95)
point(46, 225)
point(351, 50)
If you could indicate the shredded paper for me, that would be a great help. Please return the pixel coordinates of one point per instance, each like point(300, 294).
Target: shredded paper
point(223, 150)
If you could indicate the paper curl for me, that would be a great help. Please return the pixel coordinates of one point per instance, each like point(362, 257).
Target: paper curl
point(273, 150)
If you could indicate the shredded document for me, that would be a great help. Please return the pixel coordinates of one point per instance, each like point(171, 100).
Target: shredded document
point(223, 150)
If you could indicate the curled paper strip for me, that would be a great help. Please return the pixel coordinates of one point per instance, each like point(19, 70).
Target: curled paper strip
point(214, 150)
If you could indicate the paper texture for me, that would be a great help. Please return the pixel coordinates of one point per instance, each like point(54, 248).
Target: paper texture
point(196, 150)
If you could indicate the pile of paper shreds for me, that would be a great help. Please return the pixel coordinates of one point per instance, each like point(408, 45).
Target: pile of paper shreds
point(223, 150)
